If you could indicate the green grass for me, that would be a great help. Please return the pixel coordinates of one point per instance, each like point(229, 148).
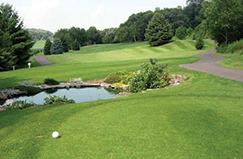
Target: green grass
point(234, 61)
point(122, 52)
point(98, 65)
point(201, 118)
point(39, 44)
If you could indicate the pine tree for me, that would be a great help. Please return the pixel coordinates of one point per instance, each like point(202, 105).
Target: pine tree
point(75, 45)
point(56, 47)
point(15, 41)
point(47, 47)
point(159, 30)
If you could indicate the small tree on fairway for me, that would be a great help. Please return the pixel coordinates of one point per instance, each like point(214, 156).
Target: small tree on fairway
point(159, 30)
point(47, 47)
point(199, 43)
point(56, 47)
point(181, 33)
point(75, 45)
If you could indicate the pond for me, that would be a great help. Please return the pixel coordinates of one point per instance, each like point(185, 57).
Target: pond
point(78, 95)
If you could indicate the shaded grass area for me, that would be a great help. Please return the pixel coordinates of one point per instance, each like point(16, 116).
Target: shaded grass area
point(234, 61)
point(201, 118)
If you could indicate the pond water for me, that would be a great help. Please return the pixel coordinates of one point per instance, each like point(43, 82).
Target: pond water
point(78, 95)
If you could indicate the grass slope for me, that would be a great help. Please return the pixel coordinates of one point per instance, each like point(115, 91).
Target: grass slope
point(39, 45)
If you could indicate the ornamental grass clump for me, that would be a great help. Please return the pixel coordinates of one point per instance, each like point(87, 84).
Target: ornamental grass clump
point(151, 76)
point(19, 105)
point(57, 100)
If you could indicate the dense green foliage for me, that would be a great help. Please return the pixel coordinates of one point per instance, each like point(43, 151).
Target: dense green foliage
point(181, 33)
point(189, 31)
point(231, 48)
point(50, 81)
point(109, 35)
point(47, 47)
point(176, 17)
point(93, 36)
point(199, 43)
point(19, 105)
point(122, 77)
point(51, 100)
point(57, 47)
point(151, 75)
point(39, 34)
point(15, 42)
point(158, 31)
point(224, 20)
point(75, 45)
point(134, 28)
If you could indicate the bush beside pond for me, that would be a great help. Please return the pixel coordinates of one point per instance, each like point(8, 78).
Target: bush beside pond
point(151, 76)
point(50, 81)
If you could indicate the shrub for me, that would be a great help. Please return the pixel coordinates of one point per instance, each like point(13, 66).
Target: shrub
point(189, 31)
point(57, 100)
point(29, 89)
point(181, 33)
point(199, 43)
point(50, 81)
point(230, 48)
point(18, 105)
point(151, 75)
point(119, 77)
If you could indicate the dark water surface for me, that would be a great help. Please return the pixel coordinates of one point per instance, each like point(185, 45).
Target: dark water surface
point(78, 95)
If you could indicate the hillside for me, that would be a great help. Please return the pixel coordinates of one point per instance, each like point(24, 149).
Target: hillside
point(39, 34)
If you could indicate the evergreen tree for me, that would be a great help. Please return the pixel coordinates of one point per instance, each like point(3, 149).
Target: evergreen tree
point(75, 45)
point(181, 33)
point(47, 47)
point(56, 47)
point(159, 30)
point(15, 41)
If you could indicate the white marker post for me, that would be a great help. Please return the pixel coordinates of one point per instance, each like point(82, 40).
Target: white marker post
point(13, 68)
point(29, 64)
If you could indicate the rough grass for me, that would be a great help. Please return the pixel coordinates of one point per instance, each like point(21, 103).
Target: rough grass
point(234, 61)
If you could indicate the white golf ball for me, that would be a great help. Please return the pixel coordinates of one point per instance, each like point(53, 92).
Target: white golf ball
point(55, 134)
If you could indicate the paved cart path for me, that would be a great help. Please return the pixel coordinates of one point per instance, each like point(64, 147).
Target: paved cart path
point(43, 61)
point(208, 64)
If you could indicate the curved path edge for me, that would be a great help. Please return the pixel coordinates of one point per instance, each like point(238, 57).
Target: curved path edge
point(42, 60)
point(207, 64)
